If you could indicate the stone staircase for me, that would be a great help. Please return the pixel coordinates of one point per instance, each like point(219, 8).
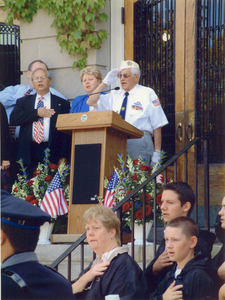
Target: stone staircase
point(49, 253)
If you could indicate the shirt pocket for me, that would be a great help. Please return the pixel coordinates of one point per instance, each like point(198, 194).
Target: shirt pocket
point(137, 109)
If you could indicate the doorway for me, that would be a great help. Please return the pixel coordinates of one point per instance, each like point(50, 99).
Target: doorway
point(179, 45)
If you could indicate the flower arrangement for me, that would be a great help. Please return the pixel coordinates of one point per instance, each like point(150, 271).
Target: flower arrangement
point(131, 175)
point(33, 190)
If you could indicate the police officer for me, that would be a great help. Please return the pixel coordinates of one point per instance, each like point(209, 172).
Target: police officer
point(22, 276)
point(138, 105)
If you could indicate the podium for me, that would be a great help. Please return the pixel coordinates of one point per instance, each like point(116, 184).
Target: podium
point(97, 139)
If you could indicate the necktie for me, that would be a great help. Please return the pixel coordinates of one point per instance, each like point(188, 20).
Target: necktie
point(124, 105)
point(39, 124)
point(12, 129)
point(28, 92)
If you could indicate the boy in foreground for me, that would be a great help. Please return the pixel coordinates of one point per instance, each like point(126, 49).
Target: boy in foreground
point(189, 277)
point(178, 199)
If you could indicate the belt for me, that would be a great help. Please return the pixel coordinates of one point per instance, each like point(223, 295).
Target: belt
point(147, 132)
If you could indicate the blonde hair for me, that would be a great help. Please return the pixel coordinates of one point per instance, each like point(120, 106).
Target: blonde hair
point(91, 71)
point(107, 217)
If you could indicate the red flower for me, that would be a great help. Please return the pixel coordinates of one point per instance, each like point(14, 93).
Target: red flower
point(36, 172)
point(136, 195)
point(34, 202)
point(68, 180)
point(139, 214)
point(30, 182)
point(48, 178)
point(148, 210)
point(162, 179)
point(145, 168)
point(134, 177)
point(29, 198)
point(126, 206)
point(135, 161)
point(128, 193)
point(15, 190)
point(147, 197)
point(53, 166)
point(159, 199)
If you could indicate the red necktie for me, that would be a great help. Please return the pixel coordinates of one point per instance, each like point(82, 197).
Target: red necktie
point(12, 129)
point(39, 124)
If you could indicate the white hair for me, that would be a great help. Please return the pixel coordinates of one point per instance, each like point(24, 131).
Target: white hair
point(135, 71)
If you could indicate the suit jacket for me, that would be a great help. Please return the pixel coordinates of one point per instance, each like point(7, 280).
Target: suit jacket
point(24, 114)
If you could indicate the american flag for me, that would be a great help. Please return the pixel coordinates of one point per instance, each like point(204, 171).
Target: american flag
point(110, 190)
point(54, 202)
point(156, 102)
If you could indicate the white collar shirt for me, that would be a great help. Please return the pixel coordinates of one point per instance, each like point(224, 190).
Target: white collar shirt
point(47, 104)
point(143, 109)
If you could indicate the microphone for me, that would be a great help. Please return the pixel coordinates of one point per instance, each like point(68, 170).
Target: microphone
point(116, 89)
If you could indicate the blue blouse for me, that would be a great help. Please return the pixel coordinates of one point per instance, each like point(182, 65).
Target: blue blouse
point(79, 104)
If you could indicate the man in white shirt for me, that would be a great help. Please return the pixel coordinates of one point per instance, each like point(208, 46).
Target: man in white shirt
point(138, 105)
point(38, 123)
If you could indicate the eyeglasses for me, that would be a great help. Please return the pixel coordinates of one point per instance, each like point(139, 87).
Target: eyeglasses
point(125, 75)
point(43, 78)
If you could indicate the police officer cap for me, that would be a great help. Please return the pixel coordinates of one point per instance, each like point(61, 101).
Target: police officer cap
point(22, 214)
point(125, 64)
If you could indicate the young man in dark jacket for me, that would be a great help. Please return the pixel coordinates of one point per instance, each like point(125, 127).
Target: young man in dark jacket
point(190, 276)
point(178, 199)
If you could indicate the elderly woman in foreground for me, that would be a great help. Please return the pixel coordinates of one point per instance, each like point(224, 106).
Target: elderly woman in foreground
point(113, 271)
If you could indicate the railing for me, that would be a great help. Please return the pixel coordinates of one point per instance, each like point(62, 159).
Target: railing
point(171, 162)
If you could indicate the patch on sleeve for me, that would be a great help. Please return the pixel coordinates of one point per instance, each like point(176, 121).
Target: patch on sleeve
point(156, 102)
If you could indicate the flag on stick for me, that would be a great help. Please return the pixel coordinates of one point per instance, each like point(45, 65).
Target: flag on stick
point(54, 202)
point(110, 190)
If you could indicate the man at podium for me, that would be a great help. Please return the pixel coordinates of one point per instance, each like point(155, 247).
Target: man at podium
point(138, 105)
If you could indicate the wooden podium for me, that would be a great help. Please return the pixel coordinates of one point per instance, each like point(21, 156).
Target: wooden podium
point(97, 139)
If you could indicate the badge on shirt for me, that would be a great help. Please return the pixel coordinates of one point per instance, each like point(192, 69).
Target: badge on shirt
point(137, 106)
point(156, 102)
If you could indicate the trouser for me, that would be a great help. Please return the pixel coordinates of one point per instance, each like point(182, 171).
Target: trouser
point(38, 154)
point(141, 147)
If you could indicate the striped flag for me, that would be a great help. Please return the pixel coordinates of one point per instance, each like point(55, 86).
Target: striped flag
point(110, 190)
point(54, 202)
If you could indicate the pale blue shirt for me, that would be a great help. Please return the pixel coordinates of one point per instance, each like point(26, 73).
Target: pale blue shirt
point(10, 94)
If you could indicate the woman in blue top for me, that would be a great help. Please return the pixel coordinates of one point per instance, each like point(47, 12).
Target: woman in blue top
point(90, 77)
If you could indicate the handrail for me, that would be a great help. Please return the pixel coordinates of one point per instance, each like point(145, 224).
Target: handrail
point(118, 208)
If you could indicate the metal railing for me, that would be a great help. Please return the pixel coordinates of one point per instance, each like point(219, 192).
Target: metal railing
point(118, 208)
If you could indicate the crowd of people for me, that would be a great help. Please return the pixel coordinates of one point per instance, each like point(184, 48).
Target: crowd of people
point(34, 108)
point(182, 268)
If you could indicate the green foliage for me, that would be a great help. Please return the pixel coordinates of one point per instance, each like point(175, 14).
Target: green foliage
point(74, 21)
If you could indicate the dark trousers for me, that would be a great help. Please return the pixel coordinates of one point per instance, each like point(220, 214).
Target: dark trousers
point(37, 155)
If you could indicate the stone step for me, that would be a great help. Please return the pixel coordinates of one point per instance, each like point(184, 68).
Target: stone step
point(49, 253)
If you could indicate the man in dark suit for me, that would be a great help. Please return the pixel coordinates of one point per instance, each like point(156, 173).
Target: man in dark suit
point(37, 115)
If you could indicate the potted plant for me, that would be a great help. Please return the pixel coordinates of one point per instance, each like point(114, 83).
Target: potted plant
point(37, 190)
point(130, 176)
